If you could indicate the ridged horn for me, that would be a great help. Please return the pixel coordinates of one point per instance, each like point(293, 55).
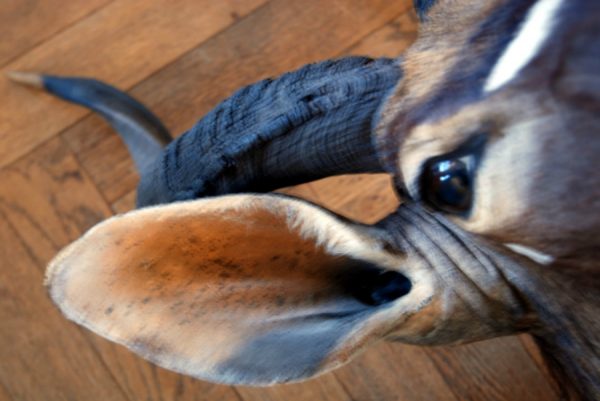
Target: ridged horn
point(305, 125)
point(143, 133)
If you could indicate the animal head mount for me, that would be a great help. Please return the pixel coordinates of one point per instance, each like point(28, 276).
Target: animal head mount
point(489, 125)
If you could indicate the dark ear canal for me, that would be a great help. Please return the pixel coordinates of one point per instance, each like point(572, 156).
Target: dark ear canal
point(373, 286)
point(446, 181)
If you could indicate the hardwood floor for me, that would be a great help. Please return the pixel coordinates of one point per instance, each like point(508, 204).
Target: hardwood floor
point(62, 170)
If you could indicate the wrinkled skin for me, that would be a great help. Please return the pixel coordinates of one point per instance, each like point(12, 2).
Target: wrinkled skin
point(259, 289)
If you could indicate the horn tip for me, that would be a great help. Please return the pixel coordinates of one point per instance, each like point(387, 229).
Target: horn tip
point(26, 78)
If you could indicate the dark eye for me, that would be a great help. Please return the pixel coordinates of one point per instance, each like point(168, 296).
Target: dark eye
point(446, 185)
point(447, 181)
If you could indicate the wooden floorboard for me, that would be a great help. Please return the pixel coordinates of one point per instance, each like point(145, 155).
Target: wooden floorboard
point(41, 354)
point(25, 24)
point(123, 43)
point(395, 373)
point(63, 170)
point(495, 370)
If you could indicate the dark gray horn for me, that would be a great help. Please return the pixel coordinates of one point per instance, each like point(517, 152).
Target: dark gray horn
point(305, 125)
point(143, 133)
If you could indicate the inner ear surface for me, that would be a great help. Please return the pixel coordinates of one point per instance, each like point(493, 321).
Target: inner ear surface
point(231, 290)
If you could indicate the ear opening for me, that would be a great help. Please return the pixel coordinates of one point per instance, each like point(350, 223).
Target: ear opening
point(245, 289)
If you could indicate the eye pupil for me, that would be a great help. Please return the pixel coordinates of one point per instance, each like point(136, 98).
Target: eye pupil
point(447, 181)
point(447, 185)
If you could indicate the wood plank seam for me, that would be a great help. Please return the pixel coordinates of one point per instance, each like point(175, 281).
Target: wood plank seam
point(237, 393)
point(85, 173)
point(127, 89)
point(158, 70)
point(153, 369)
point(85, 333)
point(129, 80)
point(57, 32)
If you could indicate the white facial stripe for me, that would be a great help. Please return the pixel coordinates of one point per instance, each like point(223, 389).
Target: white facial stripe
point(533, 254)
point(531, 36)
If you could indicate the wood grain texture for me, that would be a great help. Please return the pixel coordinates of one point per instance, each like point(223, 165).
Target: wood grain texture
point(40, 353)
point(390, 373)
point(25, 24)
point(122, 43)
point(49, 200)
point(497, 369)
point(181, 60)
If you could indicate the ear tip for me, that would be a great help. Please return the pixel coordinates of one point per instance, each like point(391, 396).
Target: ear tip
point(58, 264)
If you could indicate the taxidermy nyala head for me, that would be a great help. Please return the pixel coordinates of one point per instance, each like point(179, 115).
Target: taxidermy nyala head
point(490, 127)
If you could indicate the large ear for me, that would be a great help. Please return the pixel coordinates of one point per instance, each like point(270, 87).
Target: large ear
point(251, 289)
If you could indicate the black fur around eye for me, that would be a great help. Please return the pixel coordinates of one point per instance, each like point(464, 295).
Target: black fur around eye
point(447, 181)
point(447, 186)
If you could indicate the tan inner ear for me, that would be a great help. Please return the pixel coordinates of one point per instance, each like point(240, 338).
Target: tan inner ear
point(190, 286)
